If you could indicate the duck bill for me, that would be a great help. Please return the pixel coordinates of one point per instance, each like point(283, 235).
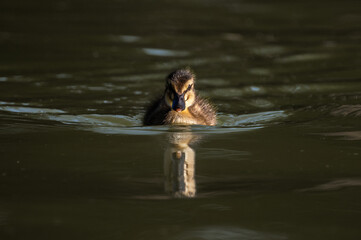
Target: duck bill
point(178, 103)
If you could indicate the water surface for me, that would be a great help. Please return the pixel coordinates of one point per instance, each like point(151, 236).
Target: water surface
point(282, 163)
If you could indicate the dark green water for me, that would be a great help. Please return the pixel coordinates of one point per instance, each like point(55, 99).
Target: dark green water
point(284, 161)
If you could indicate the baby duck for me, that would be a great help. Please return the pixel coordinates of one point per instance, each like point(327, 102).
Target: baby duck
point(180, 105)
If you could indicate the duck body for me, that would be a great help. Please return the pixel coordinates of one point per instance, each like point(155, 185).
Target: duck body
point(180, 105)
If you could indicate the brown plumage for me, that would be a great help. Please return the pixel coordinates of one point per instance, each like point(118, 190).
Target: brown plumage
point(180, 105)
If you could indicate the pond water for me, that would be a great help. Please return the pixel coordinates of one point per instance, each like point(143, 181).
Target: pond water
point(284, 161)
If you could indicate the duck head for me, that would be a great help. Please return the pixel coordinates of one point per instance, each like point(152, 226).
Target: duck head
point(179, 92)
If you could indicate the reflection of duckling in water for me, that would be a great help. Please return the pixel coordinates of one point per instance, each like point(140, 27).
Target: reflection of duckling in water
point(180, 104)
point(179, 165)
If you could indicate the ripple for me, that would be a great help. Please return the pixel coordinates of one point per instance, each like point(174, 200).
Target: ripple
point(299, 88)
point(302, 57)
point(237, 92)
point(103, 101)
point(226, 232)
point(260, 71)
point(132, 125)
point(164, 52)
point(255, 119)
point(316, 88)
point(347, 110)
point(334, 185)
point(194, 62)
point(29, 110)
point(351, 135)
point(260, 103)
point(140, 77)
point(120, 124)
point(157, 130)
point(228, 92)
point(124, 38)
point(13, 103)
point(268, 50)
point(107, 87)
point(7, 103)
point(232, 36)
point(63, 75)
point(130, 130)
point(96, 119)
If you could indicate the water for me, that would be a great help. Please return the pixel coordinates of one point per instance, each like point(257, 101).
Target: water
point(283, 162)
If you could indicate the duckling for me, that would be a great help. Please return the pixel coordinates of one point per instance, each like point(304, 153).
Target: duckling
point(180, 104)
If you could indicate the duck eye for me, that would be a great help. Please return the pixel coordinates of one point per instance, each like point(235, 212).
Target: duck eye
point(189, 87)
